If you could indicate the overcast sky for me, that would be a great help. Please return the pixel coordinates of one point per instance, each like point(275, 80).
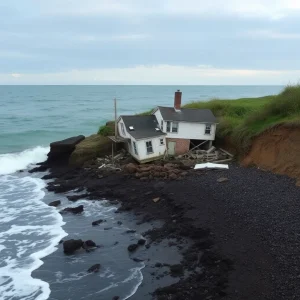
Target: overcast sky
point(149, 42)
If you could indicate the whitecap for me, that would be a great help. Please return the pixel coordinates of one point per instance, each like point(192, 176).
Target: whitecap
point(12, 162)
point(25, 237)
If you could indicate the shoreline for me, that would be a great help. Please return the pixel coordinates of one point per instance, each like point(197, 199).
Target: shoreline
point(196, 258)
point(232, 253)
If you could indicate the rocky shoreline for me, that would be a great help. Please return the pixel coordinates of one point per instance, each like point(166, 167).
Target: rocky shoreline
point(235, 226)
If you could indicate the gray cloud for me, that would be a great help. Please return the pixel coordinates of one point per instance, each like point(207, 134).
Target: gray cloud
point(59, 36)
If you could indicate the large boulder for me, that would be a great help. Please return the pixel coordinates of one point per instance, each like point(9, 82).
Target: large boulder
point(70, 246)
point(55, 203)
point(90, 148)
point(74, 210)
point(131, 168)
point(60, 151)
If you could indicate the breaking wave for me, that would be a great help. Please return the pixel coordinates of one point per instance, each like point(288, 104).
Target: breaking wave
point(12, 162)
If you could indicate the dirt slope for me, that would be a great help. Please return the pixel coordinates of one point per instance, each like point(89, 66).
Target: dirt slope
point(277, 150)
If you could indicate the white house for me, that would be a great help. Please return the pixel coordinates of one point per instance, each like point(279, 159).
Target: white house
point(168, 129)
point(145, 140)
point(185, 125)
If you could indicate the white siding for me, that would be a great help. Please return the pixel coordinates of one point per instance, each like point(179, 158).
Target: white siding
point(132, 148)
point(159, 119)
point(193, 131)
point(158, 149)
point(187, 130)
point(126, 135)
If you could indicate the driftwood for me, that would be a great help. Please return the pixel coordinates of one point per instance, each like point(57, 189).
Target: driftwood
point(226, 152)
point(222, 161)
point(212, 155)
point(211, 149)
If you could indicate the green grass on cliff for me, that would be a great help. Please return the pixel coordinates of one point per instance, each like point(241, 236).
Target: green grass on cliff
point(245, 118)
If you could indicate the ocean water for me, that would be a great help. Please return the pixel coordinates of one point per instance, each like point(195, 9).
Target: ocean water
point(32, 265)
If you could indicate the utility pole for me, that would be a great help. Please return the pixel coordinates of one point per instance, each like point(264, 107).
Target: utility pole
point(116, 127)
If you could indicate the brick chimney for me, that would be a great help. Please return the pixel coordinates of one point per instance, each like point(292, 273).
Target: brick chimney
point(177, 100)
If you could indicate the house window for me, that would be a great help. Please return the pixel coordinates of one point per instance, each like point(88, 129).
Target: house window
point(174, 126)
point(162, 141)
point(168, 126)
point(134, 147)
point(122, 128)
point(207, 129)
point(162, 125)
point(149, 147)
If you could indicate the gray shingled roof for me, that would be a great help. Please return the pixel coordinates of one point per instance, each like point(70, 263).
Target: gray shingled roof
point(187, 115)
point(144, 126)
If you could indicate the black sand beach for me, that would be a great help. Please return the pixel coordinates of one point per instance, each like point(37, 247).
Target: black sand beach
point(241, 235)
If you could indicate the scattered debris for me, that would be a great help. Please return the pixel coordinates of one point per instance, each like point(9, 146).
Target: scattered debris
point(112, 163)
point(210, 166)
point(211, 155)
point(156, 199)
point(226, 152)
point(222, 179)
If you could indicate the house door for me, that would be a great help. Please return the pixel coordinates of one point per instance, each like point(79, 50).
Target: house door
point(171, 148)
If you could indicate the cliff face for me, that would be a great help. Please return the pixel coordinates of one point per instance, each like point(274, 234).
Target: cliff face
point(90, 148)
point(60, 151)
point(277, 150)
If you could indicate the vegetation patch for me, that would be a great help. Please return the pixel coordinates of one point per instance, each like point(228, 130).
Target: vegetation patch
point(106, 130)
point(245, 118)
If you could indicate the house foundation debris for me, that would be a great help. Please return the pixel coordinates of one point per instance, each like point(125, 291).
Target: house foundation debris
point(212, 155)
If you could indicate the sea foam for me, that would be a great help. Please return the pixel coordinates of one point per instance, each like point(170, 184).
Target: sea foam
point(12, 162)
point(30, 230)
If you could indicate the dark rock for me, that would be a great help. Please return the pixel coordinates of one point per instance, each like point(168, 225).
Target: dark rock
point(158, 265)
point(48, 176)
point(80, 189)
point(173, 176)
point(107, 228)
point(137, 259)
point(39, 169)
point(60, 151)
point(55, 203)
point(176, 270)
point(76, 197)
point(130, 231)
point(116, 298)
point(70, 246)
point(132, 247)
point(21, 171)
point(142, 242)
point(60, 242)
point(90, 243)
point(131, 168)
point(98, 222)
point(119, 223)
point(94, 269)
point(73, 210)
